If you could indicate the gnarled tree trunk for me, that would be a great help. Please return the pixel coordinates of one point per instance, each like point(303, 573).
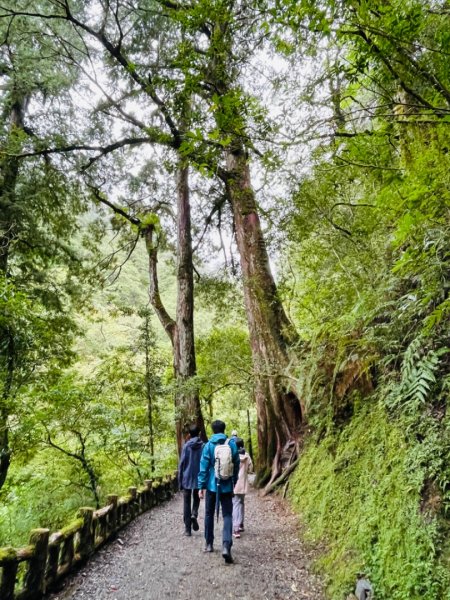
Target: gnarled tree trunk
point(279, 410)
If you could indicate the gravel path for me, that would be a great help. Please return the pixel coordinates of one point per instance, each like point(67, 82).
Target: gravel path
point(152, 560)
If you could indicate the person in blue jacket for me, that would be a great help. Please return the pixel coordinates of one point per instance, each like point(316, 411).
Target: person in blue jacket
point(207, 481)
point(188, 469)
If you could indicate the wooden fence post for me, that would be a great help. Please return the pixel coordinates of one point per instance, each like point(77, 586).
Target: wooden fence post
point(149, 493)
point(9, 571)
point(54, 547)
point(113, 523)
point(138, 503)
point(133, 509)
point(86, 544)
point(35, 577)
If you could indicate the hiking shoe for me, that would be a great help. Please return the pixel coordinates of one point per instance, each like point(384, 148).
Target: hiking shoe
point(236, 534)
point(187, 533)
point(209, 548)
point(241, 528)
point(194, 523)
point(226, 553)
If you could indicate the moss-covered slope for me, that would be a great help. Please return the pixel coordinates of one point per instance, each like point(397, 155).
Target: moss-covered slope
point(364, 491)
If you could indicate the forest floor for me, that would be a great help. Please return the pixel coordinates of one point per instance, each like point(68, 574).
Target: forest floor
point(151, 560)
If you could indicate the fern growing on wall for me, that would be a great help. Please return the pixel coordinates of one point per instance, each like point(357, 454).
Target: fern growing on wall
point(418, 376)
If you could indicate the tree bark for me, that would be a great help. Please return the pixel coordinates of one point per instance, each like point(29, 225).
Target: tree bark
point(187, 399)
point(279, 410)
point(150, 394)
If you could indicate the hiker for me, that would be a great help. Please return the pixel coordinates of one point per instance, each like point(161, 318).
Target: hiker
point(219, 469)
point(234, 435)
point(241, 488)
point(188, 479)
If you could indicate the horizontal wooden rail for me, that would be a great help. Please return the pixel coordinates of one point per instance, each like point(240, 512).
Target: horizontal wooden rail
point(28, 573)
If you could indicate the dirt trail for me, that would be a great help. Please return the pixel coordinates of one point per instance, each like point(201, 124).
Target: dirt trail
point(151, 560)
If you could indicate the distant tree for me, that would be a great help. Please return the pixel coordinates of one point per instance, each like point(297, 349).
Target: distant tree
point(39, 208)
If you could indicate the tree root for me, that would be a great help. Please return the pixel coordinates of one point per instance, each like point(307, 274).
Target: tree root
point(270, 488)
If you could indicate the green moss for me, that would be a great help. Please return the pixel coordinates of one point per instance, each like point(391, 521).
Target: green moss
point(72, 528)
point(358, 492)
point(149, 219)
point(7, 555)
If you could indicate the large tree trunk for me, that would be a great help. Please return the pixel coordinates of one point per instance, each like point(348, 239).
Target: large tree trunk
point(188, 401)
point(9, 170)
point(279, 410)
point(180, 330)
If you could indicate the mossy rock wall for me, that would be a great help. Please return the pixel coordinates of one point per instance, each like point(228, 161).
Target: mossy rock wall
point(359, 492)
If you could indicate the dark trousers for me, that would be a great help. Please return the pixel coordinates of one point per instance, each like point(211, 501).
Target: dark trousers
point(226, 501)
point(190, 507)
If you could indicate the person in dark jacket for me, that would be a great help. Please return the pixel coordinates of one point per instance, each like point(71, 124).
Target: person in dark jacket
point(188, 470)
point(207, 481)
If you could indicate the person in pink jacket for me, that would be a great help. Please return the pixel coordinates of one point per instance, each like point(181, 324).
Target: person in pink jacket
point(241, 488)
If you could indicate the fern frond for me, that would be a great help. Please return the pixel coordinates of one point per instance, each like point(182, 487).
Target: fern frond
point(418, 376)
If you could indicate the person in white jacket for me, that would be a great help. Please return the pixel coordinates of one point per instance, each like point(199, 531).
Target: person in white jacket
point(240, 489)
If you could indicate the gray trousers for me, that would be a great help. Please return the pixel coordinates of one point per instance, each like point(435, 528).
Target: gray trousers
point(238, 511)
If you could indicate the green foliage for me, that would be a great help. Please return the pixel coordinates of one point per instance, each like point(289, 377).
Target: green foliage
point(45, 491)
point(78, 439)
point(224, 371)
point(359, 490)
point(367, 286)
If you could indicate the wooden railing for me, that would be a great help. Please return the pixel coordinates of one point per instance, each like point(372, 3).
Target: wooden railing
point(28, 573)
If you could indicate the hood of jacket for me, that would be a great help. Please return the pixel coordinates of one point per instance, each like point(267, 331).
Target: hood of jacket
point(244, 457)
point(195, 443)
point(218, 438)
point(189, 464)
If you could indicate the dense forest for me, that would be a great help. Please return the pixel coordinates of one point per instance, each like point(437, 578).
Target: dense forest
point(276, 173)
